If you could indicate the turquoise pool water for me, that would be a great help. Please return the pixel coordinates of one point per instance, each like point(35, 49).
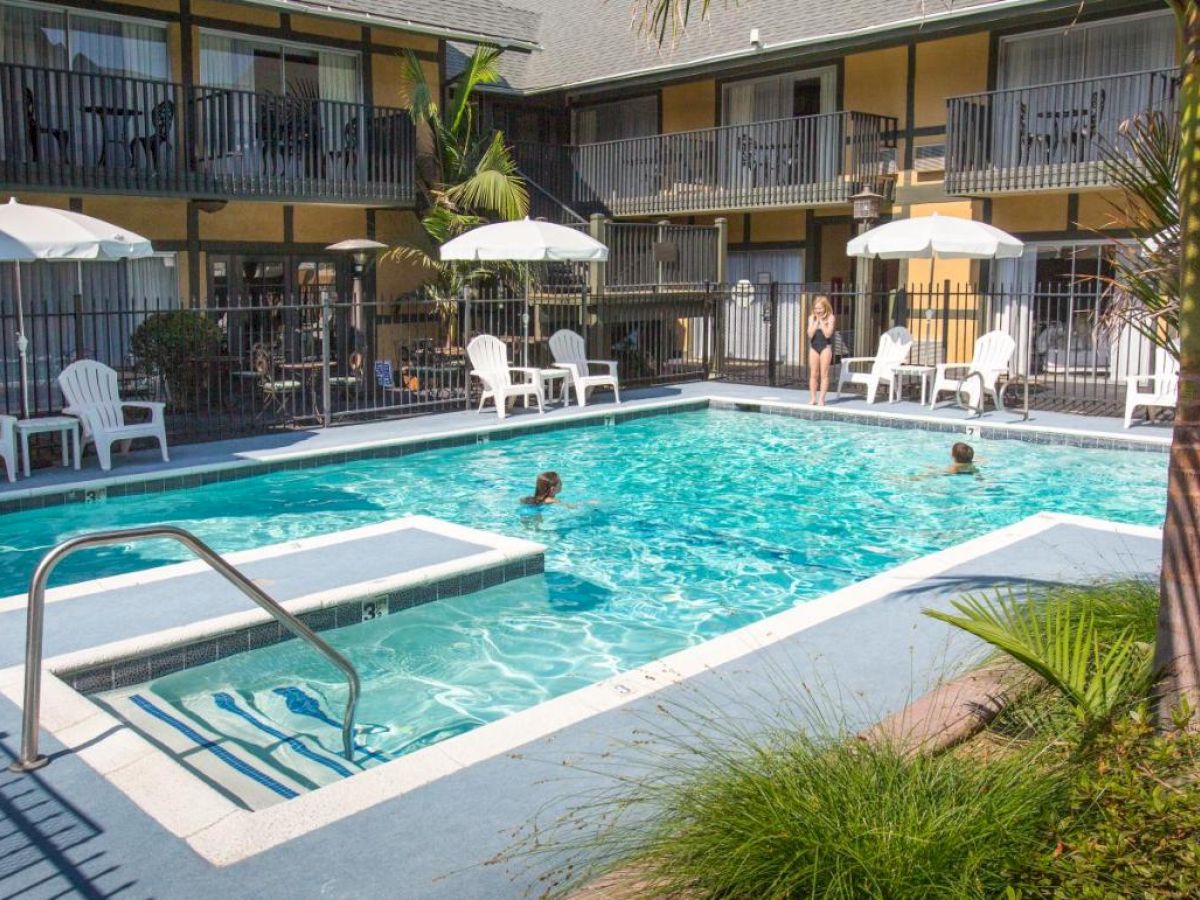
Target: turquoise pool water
point(674, 529)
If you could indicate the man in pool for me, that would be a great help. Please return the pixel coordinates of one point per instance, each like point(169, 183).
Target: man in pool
point(962, 460)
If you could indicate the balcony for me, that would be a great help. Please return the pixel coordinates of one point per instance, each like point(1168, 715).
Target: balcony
point(1046, 137)
point(802, 161)
point(102, 133)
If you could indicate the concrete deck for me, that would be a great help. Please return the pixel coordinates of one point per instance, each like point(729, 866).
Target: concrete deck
point(189, 458)
point(72, 832)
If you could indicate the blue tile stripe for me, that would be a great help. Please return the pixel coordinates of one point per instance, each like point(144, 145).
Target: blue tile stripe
point(226, 702)
point(301, 704)
point(239, 765)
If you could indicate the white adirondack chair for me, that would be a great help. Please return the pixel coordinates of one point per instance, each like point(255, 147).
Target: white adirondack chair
point(90, 389)
point(1162, 388)
point(992, 353)
point(570, 353)
point(894, 346)
point(8, 445)
point(489, 363)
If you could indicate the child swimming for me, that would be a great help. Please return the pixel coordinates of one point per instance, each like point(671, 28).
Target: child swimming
point(963, 460)
point(544, 491)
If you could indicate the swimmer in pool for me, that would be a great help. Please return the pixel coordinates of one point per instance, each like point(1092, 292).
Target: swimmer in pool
point(545, 490)
point(962, 460)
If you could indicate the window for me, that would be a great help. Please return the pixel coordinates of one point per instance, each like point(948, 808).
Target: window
point(637, 117)
point(1113, 47)
point(274, 68)
point(779, 97)
point(90, 44)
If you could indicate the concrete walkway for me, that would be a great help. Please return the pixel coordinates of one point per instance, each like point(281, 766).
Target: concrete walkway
point(69, 832)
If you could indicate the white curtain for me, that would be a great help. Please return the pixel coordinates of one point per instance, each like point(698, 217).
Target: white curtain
point(118, 47)
point(226, 62)
point(1014, 284)
point(337, 74)
point(1116, 47)
point(33, 37)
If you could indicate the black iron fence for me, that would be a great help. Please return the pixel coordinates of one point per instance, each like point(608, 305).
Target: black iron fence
point(84, 130)
point(1047, 136)
point(246, 367)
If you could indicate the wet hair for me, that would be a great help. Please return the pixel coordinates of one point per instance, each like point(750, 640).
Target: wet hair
point(822, 301)
point(547, 484)
point(962, 453)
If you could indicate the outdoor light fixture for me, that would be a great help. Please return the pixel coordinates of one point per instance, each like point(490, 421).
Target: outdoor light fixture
point(866, 205)
point(360, 249)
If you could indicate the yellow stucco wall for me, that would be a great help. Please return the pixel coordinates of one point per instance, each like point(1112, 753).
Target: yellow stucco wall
point(875, 82)
point(157, 218)
point(335, 28)
point(328, 224)
point(392, 38)
point(777, 225)
point(833, 262)
point(161, 5)
point(689, 106)
point(250, 15)
point(1045, 212)
point(243, 221)
point(1100, 209)
point(393, 278)
point(945, 68)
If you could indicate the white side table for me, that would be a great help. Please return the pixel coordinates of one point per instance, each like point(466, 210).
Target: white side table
point(563, 377)
point(66, 426)
point(922, 372)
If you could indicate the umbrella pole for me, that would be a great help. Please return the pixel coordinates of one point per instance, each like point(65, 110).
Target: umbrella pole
point(525, 323)
point(22, 347)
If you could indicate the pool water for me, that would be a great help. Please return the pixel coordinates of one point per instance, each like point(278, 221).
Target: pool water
point(673, 529)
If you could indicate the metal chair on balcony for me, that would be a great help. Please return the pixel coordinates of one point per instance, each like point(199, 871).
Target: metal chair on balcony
point(35, 130)
point(1083, 138)
point(162, 117)
point(347, 155)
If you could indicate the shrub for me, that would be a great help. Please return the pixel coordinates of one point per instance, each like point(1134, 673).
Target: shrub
point(1132, 826)
point(172, 345)
point(841, 818)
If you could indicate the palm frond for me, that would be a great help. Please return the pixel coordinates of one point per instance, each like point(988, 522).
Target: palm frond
point(1143, 290)
point(494, 184)
point(482, 68)
point(421, 100)
point(1060, 643)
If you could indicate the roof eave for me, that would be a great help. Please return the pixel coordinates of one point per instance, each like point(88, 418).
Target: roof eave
point(821, 42)
point(507, 42)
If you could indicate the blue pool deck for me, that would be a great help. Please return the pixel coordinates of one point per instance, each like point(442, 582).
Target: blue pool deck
point(146, 465)
point(70, 831)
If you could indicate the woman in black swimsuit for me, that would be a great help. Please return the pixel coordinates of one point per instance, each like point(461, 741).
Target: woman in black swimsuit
point(821, 325)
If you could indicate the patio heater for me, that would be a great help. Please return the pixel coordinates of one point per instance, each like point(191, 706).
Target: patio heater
point(361, 251)
point(866, 205)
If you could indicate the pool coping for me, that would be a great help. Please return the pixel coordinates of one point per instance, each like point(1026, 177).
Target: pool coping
point(224, 833)
point(106, 485)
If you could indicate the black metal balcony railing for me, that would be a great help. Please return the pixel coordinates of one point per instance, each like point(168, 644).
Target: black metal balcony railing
point(807, 160)
point(100, 132)
point(1046, 136)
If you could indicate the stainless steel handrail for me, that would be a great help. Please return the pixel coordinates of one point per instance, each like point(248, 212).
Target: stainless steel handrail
point(31, 714)
point(974, 373)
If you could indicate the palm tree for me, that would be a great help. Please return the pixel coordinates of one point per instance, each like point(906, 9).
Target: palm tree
point(464, 178)
point(656, 16)
point(1177, 646)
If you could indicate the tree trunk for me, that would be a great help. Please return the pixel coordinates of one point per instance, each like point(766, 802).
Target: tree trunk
point(1177, 648)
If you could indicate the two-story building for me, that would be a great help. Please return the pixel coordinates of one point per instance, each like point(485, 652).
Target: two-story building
point(773, 113)
point(241, 137)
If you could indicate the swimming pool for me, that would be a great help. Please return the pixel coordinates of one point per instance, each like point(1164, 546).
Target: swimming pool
point(675, 528)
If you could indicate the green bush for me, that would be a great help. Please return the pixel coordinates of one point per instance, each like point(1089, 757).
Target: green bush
point(172, 345)
point(840, 819)
point(1132, 826)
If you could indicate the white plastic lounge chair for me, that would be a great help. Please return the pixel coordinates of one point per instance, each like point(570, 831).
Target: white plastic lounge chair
point(90, 389)
point(489, 363)
point(8, 445)
point(894, 346)
point(1162, 388)
point(992, 353)
point(570, 353)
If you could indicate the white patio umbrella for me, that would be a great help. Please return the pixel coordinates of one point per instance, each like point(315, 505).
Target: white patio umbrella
point(30, 233)
point(526, 240)
point(935, 237)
